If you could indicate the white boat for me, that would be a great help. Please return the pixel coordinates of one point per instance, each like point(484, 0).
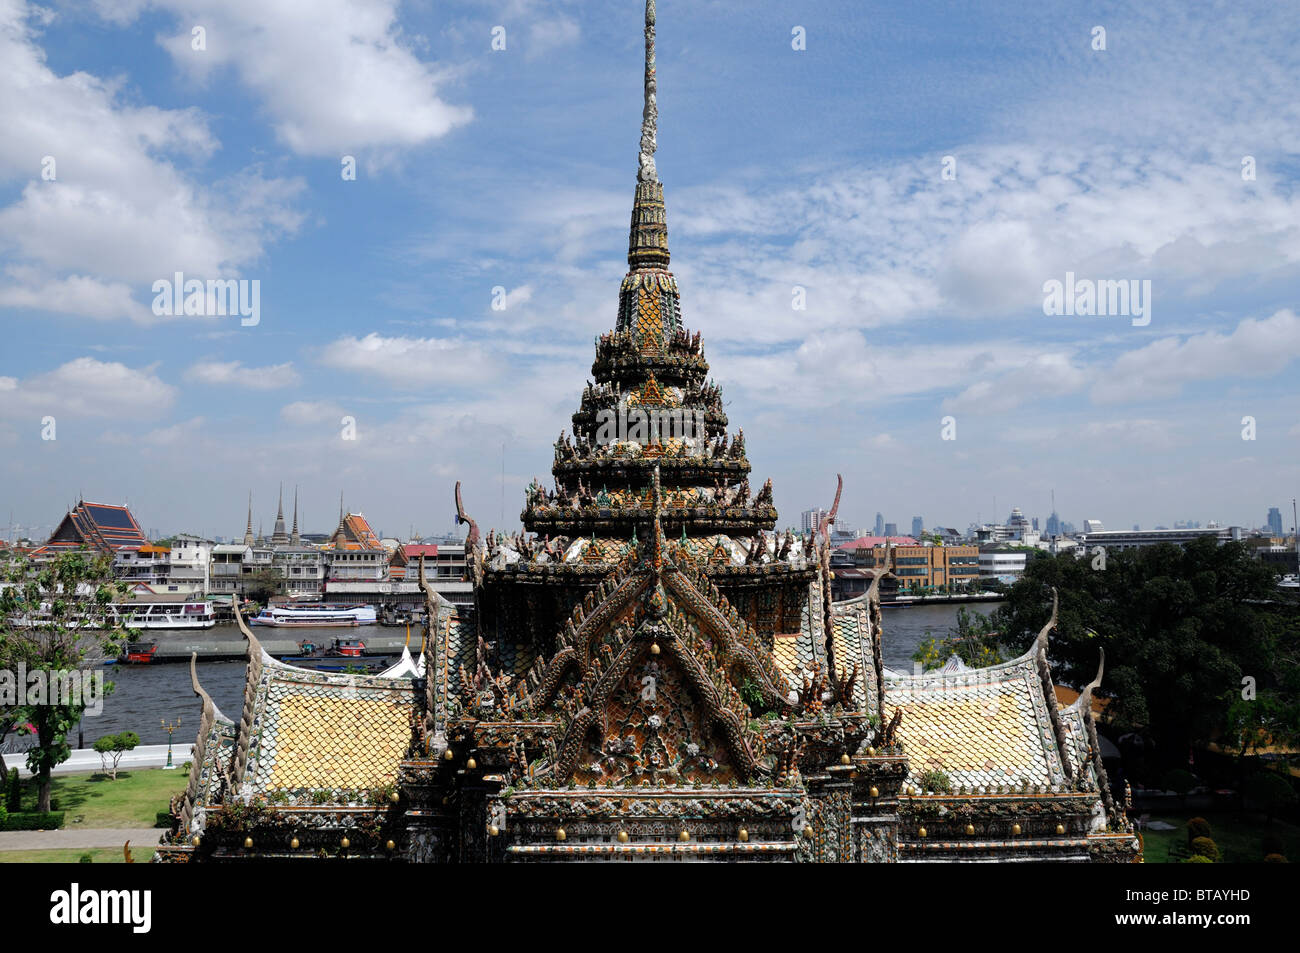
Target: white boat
point(1289, 581)
point(302, 616)
point(164, 615)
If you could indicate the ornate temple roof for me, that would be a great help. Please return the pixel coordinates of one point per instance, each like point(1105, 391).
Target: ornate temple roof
point(649, 672)
point(102, 527)
point(988, 726)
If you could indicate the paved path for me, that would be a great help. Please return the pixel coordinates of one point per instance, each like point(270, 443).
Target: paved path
point(74, 838)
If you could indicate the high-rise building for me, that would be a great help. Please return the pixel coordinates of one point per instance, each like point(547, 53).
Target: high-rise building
point(1274, 521)
point(1054, 524)
point(811, 519)
point(918, 527)
point(891, 529)
point(880, 525)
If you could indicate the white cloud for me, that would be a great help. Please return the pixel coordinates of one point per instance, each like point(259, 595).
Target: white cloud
point(334, 76)
point(85, 387)
point(308, 412)
point(421, 363)
point(1162, 368)
point(118, 212)
point(235, 374)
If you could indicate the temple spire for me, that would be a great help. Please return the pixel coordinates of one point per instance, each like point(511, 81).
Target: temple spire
point(295, 538)
point(648, 239)
point(248, 530)
point(278, 535)
point(650, 111)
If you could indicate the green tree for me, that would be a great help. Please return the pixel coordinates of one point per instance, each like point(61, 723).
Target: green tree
point(1181, 626)
point(55, 621)
point(976, 641)
point(263, 584)
point(112, 747)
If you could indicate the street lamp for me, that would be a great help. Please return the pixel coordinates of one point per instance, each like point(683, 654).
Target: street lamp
point(169, 729)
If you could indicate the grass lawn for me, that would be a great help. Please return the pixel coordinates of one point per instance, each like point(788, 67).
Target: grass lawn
point(1239, 836)
point(72, 855)
point(92, 800)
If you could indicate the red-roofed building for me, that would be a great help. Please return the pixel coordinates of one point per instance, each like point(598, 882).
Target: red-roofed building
point(408, 556)
point(103, 528)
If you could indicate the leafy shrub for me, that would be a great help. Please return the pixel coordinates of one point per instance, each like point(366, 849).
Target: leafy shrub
point(1206, 848)
point(1276, 859)
point(1198, 827)
point(934, 780)
point(163, 819)
point(86, 858)
point(14, 792)
point(1269, 792)
point(32, 821)
point(1198, 859)
point(1178, 780)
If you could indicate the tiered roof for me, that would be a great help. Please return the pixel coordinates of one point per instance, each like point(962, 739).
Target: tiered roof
point(102, 527)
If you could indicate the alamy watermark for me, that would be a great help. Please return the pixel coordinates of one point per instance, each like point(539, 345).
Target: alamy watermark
point(214, 297)
point(71, 687)
point(1083, 296)
point(645, 425)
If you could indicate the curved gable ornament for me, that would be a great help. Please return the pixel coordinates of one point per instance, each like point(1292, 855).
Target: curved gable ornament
point(654, 716)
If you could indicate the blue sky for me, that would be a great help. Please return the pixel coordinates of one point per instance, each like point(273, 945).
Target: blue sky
point(818, 168)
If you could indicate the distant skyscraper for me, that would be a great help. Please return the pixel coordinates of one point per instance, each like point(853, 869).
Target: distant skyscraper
point(880, 525)
point(1137, 528)
point(1274, 521)
point(1054, 524)
point(1093, 526)
point(813, 518)
point(891, 529)
point(918, 526)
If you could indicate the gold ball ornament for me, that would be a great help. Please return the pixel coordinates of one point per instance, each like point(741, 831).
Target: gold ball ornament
point(345, 843)
point(744, 836)
point(560, 835)
point(684, 836)
point(1015, 829)
point(294, 843)
point(622, 837)
point(394, 797)
point(920, 832)
point(845, 759)
point(874, 792)
point(471, 764)
point(248, 842)
point(654, 648)
point(970, 830)
point(448, 755)
point(391, 845)
point(1060, 829)
point(493, 830)
point(195, 840)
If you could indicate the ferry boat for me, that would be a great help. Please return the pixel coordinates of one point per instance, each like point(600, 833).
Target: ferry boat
point(140, 653)
point(302, 616)
point(164, 615)
point(342, 655)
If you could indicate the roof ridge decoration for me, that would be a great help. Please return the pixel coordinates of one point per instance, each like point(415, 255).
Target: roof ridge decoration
point(257, 657)
point(1045, 676)
point(209, 716)
point(1117, 817)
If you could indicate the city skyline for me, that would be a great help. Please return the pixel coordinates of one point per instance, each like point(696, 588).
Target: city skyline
point(481, 169)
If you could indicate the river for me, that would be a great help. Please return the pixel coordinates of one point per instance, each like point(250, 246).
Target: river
point(146, 694)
